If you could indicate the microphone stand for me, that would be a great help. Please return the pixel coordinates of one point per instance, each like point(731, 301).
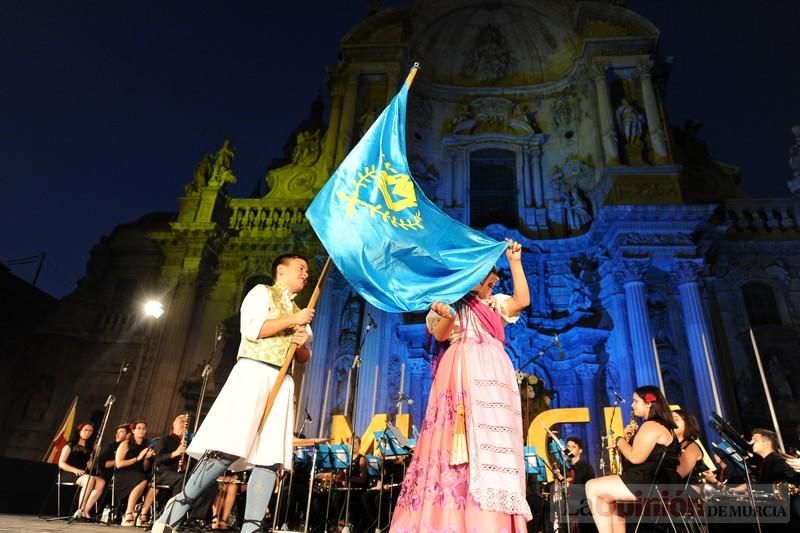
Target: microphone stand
point(218, 332)
point(563, 485)
point(306, 419)
point(555, 343)
point(355, 369)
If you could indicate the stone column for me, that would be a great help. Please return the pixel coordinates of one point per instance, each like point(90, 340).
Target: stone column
point(651, 110)
point(322, 356)
point(587, 374)
point(686, 275)
point(619, 339)
point(417, 370)
point(528, 181)
point(347, 119)
point(607, 131)
point(632, 275)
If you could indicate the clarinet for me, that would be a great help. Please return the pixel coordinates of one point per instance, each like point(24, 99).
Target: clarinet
point(182, 461)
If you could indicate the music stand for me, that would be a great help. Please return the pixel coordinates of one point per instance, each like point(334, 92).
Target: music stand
point(534, 464)
point(733, 461)
point(741, 447)
point(391, 444)
point(373, 465)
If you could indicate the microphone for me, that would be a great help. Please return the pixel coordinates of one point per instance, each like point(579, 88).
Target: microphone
point(371, 324)
point(619, 398)
point(308, 417)
point(403, 397)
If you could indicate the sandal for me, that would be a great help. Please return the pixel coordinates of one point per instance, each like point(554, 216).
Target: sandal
point(128, 520)
point(143, 519)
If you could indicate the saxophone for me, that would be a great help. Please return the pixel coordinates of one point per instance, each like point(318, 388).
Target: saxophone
point(633, 424)
point(182, 460)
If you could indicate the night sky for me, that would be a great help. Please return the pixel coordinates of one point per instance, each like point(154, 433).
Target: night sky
point(107, 106)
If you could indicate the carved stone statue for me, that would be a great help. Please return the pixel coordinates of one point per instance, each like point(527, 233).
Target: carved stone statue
point(578, 214)
point(202, 172)
point(366, 120)
point(221, 172)
point(630, 122)
point(308, 148)
point(490, 57)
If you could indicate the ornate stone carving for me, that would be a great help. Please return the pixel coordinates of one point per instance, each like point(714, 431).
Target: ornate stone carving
point(654, 239)
point(493, 114)
point(490, 58)
point(686, 271)
point(308, 148)
point(580, 298)
point(587, 371)
point(565, 112)
point(427, 176)
point(631, 270)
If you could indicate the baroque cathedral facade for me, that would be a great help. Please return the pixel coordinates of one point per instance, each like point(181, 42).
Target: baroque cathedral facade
point(541, 120)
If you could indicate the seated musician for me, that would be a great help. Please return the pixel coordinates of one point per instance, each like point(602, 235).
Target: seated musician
point(383, 495)
point(581, 471)
point(109, 449)
point(687, 430)
point(169, 463)
point(773, 467)
point(75, 459)
point(648, 454)
point(230, 485)
point(358, 482)
point(133, 461)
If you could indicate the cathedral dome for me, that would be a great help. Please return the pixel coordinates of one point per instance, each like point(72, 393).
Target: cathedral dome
point(495, 44)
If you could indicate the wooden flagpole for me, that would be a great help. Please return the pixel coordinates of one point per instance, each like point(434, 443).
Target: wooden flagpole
point(287, 361)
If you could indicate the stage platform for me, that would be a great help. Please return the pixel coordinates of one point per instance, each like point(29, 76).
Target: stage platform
point(33, 524)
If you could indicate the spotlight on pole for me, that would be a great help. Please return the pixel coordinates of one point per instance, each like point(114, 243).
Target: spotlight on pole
point(153, 308)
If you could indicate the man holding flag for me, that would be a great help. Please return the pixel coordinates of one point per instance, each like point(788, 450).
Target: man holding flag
point(402, 253)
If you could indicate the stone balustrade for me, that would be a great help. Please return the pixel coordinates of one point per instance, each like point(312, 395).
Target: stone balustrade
point(265, 219)
point(753, 215)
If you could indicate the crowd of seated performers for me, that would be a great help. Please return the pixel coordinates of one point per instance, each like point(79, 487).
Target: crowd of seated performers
point(134, 467)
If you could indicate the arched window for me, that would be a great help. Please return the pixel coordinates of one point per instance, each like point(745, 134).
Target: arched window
point(761, 305)
point(493, 188)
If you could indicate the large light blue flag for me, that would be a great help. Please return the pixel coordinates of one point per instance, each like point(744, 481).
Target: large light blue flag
point(394, 246)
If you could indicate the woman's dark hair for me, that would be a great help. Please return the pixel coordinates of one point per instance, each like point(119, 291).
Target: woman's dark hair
point(131, 439)
point(76, 435)
point(691, 428)
point(659, 408)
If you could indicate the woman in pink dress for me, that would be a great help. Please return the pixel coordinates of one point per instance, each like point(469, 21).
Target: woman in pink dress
point(474, 400)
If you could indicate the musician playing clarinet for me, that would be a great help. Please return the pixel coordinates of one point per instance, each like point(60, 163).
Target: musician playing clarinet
point(229, 437)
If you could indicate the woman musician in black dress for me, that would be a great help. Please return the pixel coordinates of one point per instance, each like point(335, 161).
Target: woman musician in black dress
point(74, 459)
point(641, 450)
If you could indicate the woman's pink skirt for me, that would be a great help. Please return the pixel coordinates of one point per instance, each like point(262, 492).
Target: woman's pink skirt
point(436, 497)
